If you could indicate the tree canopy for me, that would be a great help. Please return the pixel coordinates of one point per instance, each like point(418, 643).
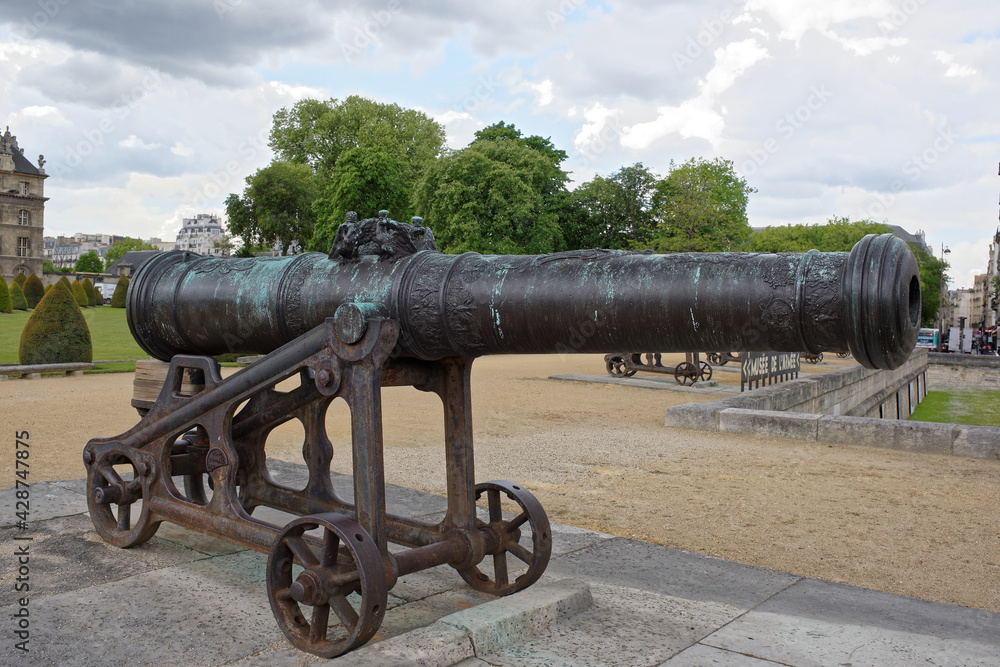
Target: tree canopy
point(276, 206)
point(365, 180)
point(89, 263)
point(839, 234)
point(701, 206)
point(318, 133)
point(490, 197)
point(618, 210)
point(119, 248)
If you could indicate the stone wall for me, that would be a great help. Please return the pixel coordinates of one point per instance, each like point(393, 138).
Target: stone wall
point(848, 406)
point(963, 371)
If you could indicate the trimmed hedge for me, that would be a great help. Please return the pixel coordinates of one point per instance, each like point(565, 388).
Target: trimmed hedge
point(33, 290)
point(81, 297)
point(121, 291)
point(90, 291)
point(17, 297)
point(56, 332)
point(5, 305)
point(19, 279)
point(47, 288)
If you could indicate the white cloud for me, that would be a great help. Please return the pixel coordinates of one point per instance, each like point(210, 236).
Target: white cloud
point(180, 149)
point(600, 128)
point(697, 117)
point(134, 142)
point(42, 115)
point(954, 69)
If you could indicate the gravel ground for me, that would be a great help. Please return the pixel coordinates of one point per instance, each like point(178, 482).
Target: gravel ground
point(599, 457)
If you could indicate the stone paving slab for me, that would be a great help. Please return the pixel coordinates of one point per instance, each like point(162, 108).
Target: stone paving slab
point(185, 599)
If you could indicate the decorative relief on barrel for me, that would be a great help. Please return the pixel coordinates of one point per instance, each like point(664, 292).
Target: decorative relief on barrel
point(381, 236)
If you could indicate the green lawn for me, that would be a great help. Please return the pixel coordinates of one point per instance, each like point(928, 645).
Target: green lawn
point(974, 407)
point(108, 331)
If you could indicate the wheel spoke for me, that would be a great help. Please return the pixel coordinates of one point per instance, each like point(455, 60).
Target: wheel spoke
point(331, 546)
point(302, 551)
point(317, 629)
point(496, 512)
point(124, 517)
point(345, 612)
point(519, 551)
point(111, 475)
point(517, 522)
point(500, 568)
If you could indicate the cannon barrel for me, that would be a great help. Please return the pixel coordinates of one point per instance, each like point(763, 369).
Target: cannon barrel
point(866, 301)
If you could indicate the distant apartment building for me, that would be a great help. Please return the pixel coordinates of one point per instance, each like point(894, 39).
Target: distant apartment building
point(165, 246)
point(64, 251)
point(22, 208)
point(201, 234)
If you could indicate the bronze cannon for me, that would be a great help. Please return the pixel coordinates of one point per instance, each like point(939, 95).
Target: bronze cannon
point(384, 308)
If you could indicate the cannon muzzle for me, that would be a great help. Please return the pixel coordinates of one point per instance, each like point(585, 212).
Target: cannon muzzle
point(866, 301)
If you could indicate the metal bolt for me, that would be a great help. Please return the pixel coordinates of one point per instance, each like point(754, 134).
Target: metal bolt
point(324, 377)
point(88, 457)
point(143, 469)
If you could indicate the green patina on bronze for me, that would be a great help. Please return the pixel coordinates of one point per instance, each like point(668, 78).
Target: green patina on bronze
point(866, 301)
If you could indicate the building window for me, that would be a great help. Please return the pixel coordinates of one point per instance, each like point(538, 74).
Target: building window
point(23, 217)
point(22, 246)
point(22, 188)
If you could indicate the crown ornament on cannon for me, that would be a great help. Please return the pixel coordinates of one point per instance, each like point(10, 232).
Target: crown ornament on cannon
point(385, 308)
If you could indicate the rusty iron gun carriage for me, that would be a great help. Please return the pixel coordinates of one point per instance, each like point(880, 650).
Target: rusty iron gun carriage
point(383, 309)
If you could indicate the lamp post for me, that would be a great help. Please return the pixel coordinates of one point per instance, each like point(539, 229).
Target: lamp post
point(941, 300)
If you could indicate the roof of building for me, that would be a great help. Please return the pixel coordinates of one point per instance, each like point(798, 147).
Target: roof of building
point(134, 258)
point(8, 144)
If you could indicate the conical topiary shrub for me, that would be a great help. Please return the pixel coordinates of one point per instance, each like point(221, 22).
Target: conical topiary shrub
point(19, 279)
point(121, 291)
point(64, 280)
point(47, 288)
point(33, 290)
point(88, 289)
point(81, 296)
point(17, 297)
point(56, 332)
point(5, 305)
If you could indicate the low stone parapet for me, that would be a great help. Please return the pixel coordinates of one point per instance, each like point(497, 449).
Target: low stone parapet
point(963, 371)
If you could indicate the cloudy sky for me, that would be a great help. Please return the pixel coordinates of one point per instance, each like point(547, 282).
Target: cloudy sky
point(149, 112)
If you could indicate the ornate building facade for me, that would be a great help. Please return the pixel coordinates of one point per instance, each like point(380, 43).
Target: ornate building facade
point(22, 208)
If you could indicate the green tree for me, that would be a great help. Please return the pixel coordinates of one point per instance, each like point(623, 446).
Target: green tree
point(839, 234)
point(365, 180)
point(89, 263)
point(56, 332)
point(276, 206)
point(5, 304)
point(932, 276)
point(119, 248)
point(90, 291)
point(33, 290)
point(120, 293)
point(618, 210)
point(17, 299)
point(48, 266)
point(701, 206)
point(318, 133)
point(81, 296)
point(489, 197)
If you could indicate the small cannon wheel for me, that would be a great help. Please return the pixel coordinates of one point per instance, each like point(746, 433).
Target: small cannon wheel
point(346, 563)
point(717, 359)
point(704, 372)
point(843, 355)
point(617, 367)
point(112, 495)
point(504, 537)
point(686, 373)
point(814, 358)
